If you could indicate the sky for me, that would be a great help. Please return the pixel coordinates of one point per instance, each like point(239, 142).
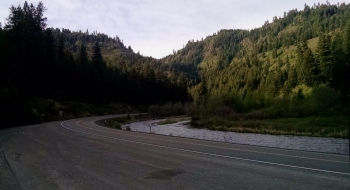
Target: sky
point(157, 27)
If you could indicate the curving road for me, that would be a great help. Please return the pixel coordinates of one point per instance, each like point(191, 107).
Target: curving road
point(81, 154)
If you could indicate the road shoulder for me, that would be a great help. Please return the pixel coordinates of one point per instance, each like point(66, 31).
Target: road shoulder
point(7, 178)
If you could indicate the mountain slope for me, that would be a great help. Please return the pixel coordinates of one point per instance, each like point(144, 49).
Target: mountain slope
point(295, 66)
point(263, 52)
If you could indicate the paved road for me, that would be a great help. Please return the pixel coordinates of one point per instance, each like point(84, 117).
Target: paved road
point(80, 154)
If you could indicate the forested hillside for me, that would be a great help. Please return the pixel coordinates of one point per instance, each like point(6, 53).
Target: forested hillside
point(295, 66)
point(41, 62)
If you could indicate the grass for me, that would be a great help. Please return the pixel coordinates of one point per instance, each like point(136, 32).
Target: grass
point(312, 43)
point(174, 120)
point(334, 126)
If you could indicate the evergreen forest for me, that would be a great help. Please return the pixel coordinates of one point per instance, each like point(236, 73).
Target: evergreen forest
point(295, 66)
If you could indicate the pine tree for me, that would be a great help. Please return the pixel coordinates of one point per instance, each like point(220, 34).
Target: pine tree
point(97, 60)
point(24, 28)
point(84, 65)
point(325, 58)
point(1, 56)
point(60, 48)
point(346, 67)
point(292, 80)
point(306, 68)
point(83, 59)
point(50, 46)
point(339, 59)
point(98, 75)
point(347, 39)
point(274, 53)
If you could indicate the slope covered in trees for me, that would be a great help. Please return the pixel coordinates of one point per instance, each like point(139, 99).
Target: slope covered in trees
point(292, 67)
point(41, 62)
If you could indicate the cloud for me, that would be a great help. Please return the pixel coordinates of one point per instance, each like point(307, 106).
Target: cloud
point(156, 27)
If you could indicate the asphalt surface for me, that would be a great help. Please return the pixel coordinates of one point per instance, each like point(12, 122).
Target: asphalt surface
point(81, 154)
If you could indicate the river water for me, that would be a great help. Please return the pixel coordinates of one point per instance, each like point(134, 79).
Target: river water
point(182, 129)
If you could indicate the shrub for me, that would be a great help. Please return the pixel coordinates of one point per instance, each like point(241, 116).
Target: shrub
point(129, 118)
point(227, 113)
point(324, 100)
point(117, 125)
point(153, 110)
point(166, 110)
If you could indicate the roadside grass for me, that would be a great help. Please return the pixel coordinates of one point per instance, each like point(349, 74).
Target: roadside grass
point(333, 126)
point(174, 120)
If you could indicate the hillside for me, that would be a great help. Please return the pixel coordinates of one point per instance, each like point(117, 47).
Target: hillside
point(41, 67)
point(267, 54)
point(295, 66)
point(242, 61)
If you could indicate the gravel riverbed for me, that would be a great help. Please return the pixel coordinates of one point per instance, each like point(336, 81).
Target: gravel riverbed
point(182, 129)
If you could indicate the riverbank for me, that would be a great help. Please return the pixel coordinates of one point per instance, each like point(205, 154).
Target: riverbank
point(333, 126)
point(182, 129)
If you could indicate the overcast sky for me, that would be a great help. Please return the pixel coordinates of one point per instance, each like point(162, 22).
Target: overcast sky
point(156, 27)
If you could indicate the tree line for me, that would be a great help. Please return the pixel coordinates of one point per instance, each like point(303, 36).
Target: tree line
point(294, 66)
point(41, 62)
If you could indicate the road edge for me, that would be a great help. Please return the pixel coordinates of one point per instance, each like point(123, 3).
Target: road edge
point(7, 176)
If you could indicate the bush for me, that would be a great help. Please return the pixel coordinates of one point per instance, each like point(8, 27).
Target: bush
point(13, 107)
point(323, 101)
point(153, 110)
point(117, 125)
point(227, 112)
point(166, 110)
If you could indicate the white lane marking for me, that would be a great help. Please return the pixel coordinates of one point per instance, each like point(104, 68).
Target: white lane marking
point(205, 153)
point(92, 122)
